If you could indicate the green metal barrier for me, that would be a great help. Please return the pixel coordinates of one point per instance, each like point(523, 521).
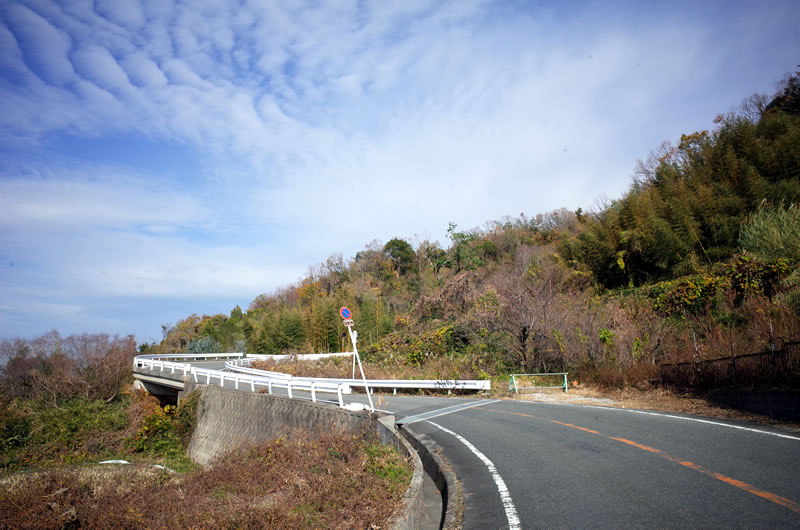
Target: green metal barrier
point(516, 385)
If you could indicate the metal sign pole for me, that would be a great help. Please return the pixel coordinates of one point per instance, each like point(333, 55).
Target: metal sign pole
point(353, 339)
point(354, 361)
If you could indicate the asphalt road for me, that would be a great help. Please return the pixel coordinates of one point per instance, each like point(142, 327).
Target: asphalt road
point(547, 465)
point(579, 467)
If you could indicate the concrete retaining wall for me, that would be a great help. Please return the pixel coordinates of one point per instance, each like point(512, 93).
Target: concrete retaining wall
point(226, 419)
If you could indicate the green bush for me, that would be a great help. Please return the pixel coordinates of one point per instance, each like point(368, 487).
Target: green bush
point(36, 434)
point(186, 417)
point(15, 428)
point(772, 232)
point(158, 437)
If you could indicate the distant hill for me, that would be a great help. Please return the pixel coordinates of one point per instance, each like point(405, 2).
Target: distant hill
point(698, 259)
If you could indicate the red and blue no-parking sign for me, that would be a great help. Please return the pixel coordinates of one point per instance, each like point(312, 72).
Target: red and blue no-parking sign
point(345, 312)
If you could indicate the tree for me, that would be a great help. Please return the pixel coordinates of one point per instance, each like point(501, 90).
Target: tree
point(204, 345)
point(402, 256)
point(788, 97)
point(461, 254)
point(517, 306)
point(54, 368)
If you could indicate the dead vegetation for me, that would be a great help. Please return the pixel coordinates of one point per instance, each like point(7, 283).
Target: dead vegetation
point(342, 368)
point(655, 399)
point(322, 480)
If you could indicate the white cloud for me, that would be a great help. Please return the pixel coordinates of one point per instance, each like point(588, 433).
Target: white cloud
point(143, 71)
point(98, 66)
point(321, 127)
point(45, 46)
point(78, 204)
point(128, 13)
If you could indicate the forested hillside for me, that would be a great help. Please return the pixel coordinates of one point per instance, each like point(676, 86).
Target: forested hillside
point(698, 259)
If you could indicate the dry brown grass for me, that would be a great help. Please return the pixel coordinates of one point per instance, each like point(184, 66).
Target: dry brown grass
point(662, 400)
point(325, 481)
point(342, 368)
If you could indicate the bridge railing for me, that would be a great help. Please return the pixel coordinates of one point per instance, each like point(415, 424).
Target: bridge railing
point(241, 365)
point(290, 384)
point(157, 364)
point(191, 356)
point(268, 380)
point(299, 356)
point(240, 373)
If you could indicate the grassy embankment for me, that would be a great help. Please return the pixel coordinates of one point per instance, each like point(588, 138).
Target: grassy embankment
point(302, 479)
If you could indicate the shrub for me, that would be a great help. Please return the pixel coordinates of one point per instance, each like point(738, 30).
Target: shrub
point(186, 417)
point(772, 232)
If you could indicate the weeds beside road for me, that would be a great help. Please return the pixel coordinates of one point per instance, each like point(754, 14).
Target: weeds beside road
point(322, 480)
point(332, 480)
point(654, 399)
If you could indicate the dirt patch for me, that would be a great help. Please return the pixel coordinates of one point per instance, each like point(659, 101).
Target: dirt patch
point(656, 399)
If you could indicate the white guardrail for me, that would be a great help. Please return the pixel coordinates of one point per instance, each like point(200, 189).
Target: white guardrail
point(203, 375)
point(240, 374)
point(240, 365)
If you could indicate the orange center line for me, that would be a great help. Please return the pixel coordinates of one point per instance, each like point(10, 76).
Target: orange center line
point(575, 427)
point(514, 413)
point(637, 445)
point(777, 499)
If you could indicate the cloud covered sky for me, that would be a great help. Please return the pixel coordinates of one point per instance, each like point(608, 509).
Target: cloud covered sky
point(159, 158)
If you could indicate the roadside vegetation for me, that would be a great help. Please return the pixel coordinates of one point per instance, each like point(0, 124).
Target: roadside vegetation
point(320, 480)
point(36, 434)
point(51, 444)
point(698, 260)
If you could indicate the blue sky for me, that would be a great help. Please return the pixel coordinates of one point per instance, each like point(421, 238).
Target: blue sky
point(159, 159)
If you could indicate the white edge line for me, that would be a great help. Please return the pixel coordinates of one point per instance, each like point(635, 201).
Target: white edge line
point(505, 496)
point(698, 420)
point(716, 423)
point(442, 412)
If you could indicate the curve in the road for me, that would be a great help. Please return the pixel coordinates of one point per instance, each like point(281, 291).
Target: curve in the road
point(582, 466)
point(777, 499)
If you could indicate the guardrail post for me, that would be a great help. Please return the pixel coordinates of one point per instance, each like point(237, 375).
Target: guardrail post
point(236, 383)
point(565, 382)
point(339, 393)
point(313, 393)
point(269, 385)
point(289, 388)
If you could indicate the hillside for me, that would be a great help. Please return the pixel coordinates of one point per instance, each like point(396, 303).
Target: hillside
point(698, 259)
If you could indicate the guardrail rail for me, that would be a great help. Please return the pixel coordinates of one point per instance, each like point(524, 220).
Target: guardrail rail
point(268, 380)
point(241, 365)
point(238, 371)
